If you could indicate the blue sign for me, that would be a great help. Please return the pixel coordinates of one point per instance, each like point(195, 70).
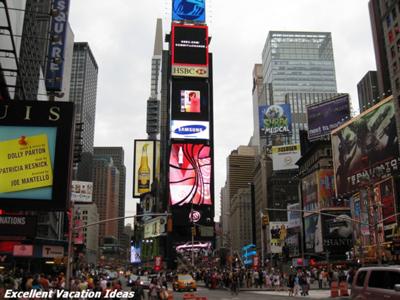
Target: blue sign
point(55, 58)
point(275, 119)
point(190, 129)
point(247, 247)
point(249, 253)
point(189, 10)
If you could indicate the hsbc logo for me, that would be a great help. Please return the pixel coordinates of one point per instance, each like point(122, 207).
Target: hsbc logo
point(186, 71)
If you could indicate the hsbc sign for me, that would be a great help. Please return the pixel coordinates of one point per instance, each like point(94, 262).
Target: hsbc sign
point(190, 71)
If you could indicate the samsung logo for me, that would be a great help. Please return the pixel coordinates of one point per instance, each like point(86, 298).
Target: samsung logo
point(190, 129)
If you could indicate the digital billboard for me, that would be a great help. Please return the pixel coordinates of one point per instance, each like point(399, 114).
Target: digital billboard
point(81, 191)
point(384, 195)
point(285, 157)
point(309, 190)
point(325, 116)
point(275, 119)
point(143, 168)
point(56, 52)
point(190, 130)
point(313, 233)
point(189, 10)
point(190, 174)
point(365, 149)
point(326, 188)
point(35, 154)
point(190, 100)
point(189, 45)
point(135, 255)
point(337, 231)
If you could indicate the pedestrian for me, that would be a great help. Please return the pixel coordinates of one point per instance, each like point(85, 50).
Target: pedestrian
point(154, 289)
point(290, 284)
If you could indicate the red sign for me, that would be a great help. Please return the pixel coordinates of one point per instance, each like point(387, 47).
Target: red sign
point(157, 263)
point(23, 250)
point(256, 262)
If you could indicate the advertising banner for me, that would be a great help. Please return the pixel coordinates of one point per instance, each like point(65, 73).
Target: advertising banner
point(275, 119)
point(326, 188)
point(193, 130)
point(356, 215)
point(190, 174)
point(187, 214)
point(285, 157)
point(143, 175)
point(190, 71)
point(294, 215)
point(81, 191)
point(135, 255)
point(189, 45)
point(189, 100)
point(313, 233)
point(35, 140)
point(278, 233)
point(337, 232)
point(366, 149)
point(52, 251)
point(189, 10)
point(155, 227)
point(147, 206)
point(325, 116)
point(309, 190)
point(384, 197)
point(58, 32)
point(23, 250)
point(157, 263)
point(17, 225)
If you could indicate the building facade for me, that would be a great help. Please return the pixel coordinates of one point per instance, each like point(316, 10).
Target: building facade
point(241, 219)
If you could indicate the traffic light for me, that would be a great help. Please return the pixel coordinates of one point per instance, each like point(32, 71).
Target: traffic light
point(265, 220)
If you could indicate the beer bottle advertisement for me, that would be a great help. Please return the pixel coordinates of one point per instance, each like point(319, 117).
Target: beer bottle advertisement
point(144, 172)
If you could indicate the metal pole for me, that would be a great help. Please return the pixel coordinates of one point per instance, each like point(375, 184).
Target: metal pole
point(193, 229)
point(69, 256)
point(262, 240)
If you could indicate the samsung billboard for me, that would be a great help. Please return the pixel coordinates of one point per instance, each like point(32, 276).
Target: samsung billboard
point(190, 130)
point(189, 10)
point(325, 116)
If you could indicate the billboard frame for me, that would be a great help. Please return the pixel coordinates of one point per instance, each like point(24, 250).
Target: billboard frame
point(152, 167)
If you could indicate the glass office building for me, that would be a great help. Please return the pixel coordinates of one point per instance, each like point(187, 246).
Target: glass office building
point(299, 62)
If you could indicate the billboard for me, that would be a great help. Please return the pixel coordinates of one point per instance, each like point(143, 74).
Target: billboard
point(384, 197)
point(23, 250)
point(35, 154)
point(278, 233)
point(143, 168)
point(323, 117)
point(190, 100)
point(190, 174)
point(58, 32)
point(135, 255)
point(309, 189)
point(155, 227)
point(285, 157)
point(313, 233)
point(18, 225)
point(189, 10)
point(81, 191)
point(326, 189)
point(189, 45)
point(366, 149)
point(337, 231)
point(51, 251)
point(294, 215)
point(274, 119)
point(190, 130)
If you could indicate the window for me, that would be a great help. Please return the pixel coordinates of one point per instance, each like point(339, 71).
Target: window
point(393, 278)
point(360, 278)
point(379, 280)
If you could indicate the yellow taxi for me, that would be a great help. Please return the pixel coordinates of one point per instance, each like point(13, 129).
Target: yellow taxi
point(184, 282)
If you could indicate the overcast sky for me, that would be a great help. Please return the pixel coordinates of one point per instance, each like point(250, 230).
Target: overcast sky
point(121, 36)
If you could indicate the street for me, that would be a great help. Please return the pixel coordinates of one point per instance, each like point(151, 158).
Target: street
point(250, 295)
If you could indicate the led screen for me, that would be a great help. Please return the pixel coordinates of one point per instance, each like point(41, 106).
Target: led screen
point(189, 45)
point(189, 10)
point(135, 255)
point(190, 174)
point(143, 175)
point(189, 100)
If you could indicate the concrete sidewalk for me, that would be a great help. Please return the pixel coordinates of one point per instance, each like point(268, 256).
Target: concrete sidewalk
point(313, 294)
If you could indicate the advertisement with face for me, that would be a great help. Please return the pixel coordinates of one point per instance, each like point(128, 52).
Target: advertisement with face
point(189, 45)
point(278, 234)
point(309, 189)
point(313, 233)
point(189, 10)
point(275, 119)
point(143, 168)
point(365, 149)
point(326, 188)
point(325, 116)
point(384, 197)
point(337, 232)
point(190, 174)
point(135, 255)
point(35, 139)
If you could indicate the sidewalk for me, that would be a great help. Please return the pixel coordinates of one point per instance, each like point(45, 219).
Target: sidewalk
point(313, 294)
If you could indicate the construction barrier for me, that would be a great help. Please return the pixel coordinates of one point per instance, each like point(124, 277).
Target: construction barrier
point(201, 298)
point(334, 289)
point(170, 295)
point(343, 287)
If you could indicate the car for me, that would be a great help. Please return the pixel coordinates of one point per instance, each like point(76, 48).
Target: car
point(184, 282)
point(381, 282)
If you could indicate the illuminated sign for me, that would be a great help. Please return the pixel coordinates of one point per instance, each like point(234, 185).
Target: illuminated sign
point(135, 255)
point(189, 10)
point(275, 119)
point(58, 30)
point(190, 71)
point(190, 174)
point(190, 130)
point(285, 157)
point(52, 251)
point(18, 225)
point(143, 168)
point(82, 191)
point(35, 139)
point(189, 45)
point(155, 227)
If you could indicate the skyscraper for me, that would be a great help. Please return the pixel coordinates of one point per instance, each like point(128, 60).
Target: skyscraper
point(153, 103)
point(368, 91)
point(117, 155)
point(83, 91)
point(298, 62)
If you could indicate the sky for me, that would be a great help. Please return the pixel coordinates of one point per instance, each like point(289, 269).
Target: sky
point(121, 36)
